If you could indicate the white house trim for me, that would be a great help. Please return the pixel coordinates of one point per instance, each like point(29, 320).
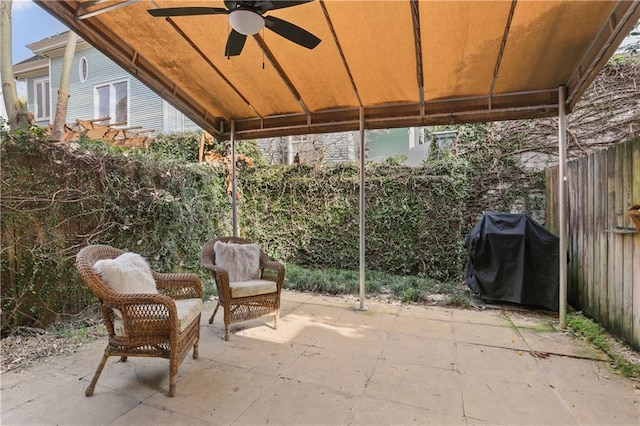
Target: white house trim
point(42, 87)
point(111, 84)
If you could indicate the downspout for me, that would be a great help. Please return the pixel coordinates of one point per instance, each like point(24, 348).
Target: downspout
point(290, 150)
point(562, 203)
point(234, 205)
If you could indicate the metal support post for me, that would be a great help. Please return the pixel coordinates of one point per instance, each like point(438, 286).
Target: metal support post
point(234, 204)
point(562, 203)
point(362, 211)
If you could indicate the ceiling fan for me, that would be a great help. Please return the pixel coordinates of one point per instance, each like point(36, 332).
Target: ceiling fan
point(246, 18)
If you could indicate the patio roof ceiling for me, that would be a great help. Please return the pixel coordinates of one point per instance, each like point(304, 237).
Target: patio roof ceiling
point(402, 63)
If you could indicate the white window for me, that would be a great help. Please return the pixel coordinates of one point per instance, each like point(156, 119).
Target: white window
point(83, 69)
point(416, 136)
point(294, 144)
point(112, 100)
point(42, 105)
point(445, 139)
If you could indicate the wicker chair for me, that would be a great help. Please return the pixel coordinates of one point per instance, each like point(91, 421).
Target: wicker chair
point(245, 307)
point(145, 325)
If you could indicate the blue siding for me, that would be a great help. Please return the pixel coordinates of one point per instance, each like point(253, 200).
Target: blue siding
point(81, 94)
point(146, 108)
point(190, 126)
point(176, 122)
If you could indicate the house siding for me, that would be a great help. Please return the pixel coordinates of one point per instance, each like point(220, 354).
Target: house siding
point(176, 122)
point(81, 93)
point(146, 108)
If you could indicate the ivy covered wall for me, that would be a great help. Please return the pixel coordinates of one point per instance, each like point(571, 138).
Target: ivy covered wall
point(58, 198)
point(310, 216)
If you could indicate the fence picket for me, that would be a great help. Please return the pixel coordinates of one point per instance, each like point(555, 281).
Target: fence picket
point(604, 279)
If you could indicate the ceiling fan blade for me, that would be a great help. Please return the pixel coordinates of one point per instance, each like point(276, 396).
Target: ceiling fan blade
point(278, 4)
point(291, 32)
point(188, 11)
point(230, 4)
point(235, 43)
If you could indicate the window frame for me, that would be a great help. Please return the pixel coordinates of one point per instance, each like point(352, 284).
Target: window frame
point(111, 84)
point(45, 83)
point(83, 76)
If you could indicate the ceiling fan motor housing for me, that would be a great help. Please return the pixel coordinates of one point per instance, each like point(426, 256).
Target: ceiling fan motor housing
point(245, 21)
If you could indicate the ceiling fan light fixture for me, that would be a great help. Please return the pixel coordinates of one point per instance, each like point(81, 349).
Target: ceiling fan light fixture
point(246, 22)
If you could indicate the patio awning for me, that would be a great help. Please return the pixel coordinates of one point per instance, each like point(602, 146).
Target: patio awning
point(403, 63)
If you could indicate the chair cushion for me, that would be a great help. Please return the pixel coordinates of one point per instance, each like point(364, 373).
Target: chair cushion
point(241, 261)
point(128, 273)
point(188, 310)
point(252, 288)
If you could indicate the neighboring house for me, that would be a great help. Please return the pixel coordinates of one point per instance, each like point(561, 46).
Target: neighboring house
point(413, 142)
point(98, 88)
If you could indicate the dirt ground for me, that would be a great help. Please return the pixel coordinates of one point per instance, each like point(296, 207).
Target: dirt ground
point(28, 346)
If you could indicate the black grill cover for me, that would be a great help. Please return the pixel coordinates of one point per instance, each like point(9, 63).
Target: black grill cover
point(513, 259)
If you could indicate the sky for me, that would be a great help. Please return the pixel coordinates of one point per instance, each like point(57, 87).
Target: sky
point(30, 23)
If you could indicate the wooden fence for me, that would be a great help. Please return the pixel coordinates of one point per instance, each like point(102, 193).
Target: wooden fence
point(603, 244)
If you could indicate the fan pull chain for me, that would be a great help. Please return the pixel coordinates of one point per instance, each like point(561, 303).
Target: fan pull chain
point(263, 41)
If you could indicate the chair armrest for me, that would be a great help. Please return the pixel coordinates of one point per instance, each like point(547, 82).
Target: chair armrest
point(206, 262)
point(179, 285)
point(273, 265)
point(275, 271)
point(144, 308)
point(215, 269)
point(219, 273)
point(221, 278)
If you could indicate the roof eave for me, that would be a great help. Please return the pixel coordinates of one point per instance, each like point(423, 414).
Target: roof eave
point(35, 68)
point(55, 45)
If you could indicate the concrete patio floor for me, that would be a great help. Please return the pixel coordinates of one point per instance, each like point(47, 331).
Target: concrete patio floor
point(330, 364)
